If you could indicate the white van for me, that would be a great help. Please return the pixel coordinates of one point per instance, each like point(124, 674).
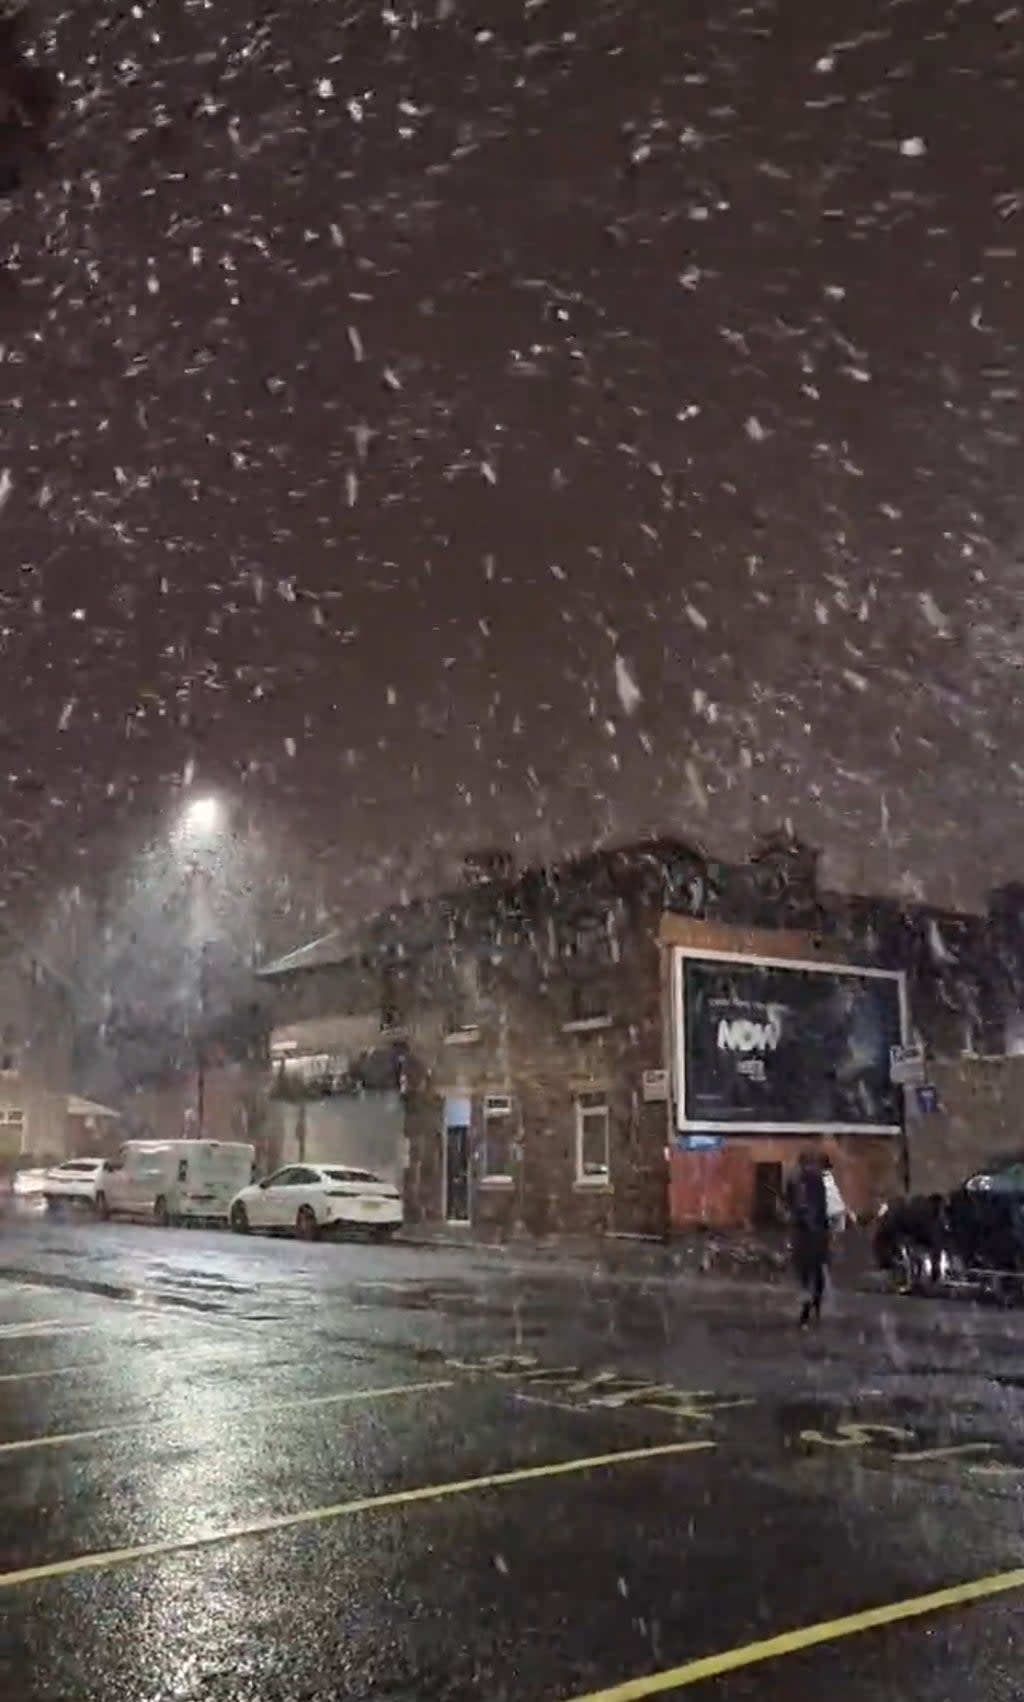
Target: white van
point(175, 1181)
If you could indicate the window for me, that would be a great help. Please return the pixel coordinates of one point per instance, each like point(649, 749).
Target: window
point(588, 1002)
point(12, 1117)
point(390, 1013)
point(183, 1170)
point(592, 1138)
point(499, 1139)
point(335, 1175)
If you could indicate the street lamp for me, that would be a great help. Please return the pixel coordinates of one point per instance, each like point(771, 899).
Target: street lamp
point(199, 830)
point(202, 817)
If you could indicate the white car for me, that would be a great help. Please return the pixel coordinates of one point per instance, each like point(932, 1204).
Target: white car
point(78, 1181)
point(310, 1199)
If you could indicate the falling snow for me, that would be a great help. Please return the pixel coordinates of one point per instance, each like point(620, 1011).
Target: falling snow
point(719, 376)
point(626, 686)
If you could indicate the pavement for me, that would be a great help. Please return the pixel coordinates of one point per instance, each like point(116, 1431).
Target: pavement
point(239, 1469)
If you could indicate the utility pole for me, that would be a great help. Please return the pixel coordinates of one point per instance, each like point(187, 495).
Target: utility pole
point(201, 1043)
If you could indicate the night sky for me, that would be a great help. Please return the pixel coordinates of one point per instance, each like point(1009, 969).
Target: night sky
point(523, 424)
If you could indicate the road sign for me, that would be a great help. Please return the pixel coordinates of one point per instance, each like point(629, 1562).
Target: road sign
point(906, 1065)
point(927, 1097)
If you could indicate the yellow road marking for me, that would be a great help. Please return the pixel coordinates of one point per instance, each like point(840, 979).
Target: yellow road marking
point(64, 1438)
point(807, 1637)
point(40, 1327)
point(856, 1435)
point(341, 1510)
point(56, 1371)
point(951, 1452)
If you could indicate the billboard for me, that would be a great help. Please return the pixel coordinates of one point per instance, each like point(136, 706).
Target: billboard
point(777, 1046)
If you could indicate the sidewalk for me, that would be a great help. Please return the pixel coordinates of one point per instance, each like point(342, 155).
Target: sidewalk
point(748, 1255)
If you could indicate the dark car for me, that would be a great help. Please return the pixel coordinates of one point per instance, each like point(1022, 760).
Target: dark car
point(978, 1229)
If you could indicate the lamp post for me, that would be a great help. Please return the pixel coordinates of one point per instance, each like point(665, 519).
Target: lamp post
point(201, 1043)
point(198, 830)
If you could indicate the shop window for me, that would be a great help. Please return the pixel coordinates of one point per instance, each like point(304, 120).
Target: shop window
point(499, 1139)
point(593, 1138)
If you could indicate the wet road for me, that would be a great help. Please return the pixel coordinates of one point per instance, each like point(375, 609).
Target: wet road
point(234, 1470)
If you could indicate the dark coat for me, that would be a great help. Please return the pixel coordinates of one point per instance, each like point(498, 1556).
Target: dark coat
point(808, 1213)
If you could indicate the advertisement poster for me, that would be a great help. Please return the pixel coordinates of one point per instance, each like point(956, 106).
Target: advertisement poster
point(785, 1047)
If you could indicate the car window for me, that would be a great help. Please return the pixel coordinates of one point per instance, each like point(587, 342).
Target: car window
point(336, 1175)
point(305, 1178)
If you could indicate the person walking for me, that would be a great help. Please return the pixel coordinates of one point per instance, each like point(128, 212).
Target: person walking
point(809, 1231)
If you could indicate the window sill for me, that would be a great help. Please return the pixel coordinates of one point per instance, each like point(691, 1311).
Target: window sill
point(499, 1183)
point(587, 1025)
point(593, 1185)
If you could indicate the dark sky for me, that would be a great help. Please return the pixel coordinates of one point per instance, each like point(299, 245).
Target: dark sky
point(520, 423)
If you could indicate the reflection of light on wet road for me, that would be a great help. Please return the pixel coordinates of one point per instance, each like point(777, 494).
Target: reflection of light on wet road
point(64, 1439)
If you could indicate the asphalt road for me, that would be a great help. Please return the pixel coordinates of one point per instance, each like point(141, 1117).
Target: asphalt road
point(235, 1470)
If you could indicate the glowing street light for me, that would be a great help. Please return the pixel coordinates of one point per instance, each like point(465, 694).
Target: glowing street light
point(202, 817)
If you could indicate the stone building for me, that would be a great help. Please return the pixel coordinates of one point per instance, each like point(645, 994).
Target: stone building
point(508, 1046)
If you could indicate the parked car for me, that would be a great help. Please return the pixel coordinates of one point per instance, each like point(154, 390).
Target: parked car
point(175, 1181)
point(977, 1228)
point(23, 1191)
point(79, 1181)
point(312, 1199)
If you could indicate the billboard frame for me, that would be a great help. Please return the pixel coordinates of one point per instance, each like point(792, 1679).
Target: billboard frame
point(698, 1125)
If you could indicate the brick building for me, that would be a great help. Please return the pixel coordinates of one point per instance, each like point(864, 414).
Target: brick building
point(507, 1046)
point(36, 1052)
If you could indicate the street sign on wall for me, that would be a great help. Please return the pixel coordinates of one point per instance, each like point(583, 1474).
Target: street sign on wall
point(906, 1065)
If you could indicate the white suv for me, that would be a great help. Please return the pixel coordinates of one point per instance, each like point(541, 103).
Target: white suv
point(78, 1181)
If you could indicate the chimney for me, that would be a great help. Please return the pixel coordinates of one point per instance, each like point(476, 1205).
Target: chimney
point(480, 868)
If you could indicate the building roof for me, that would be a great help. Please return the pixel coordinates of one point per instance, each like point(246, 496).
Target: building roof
point(88, 1108)
point(418, 919)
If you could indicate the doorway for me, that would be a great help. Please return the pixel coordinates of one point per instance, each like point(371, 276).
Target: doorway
point(456, 1160)
point(768, 1196)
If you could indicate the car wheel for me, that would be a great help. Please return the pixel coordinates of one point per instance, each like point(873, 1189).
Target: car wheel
point(102, 1209)
point(909, 1267)
point(239, 1218)
point(383, 1231)
point(306, 1226)
point(161, 1216)
point(50, 1202)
